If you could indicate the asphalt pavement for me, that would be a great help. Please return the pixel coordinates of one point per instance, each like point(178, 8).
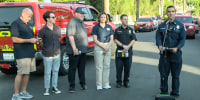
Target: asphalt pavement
point(144, 77)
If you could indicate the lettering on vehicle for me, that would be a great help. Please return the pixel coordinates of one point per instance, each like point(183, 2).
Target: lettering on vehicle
point(59, 12)
point(6, 47)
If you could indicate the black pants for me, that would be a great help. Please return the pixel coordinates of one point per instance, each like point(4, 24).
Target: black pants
point(170, 63)
point(78, 62)
point(123, 64)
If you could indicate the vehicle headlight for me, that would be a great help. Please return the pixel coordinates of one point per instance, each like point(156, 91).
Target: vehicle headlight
point(191, 27)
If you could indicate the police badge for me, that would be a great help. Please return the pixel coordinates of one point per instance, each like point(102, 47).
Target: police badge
point(178, 27)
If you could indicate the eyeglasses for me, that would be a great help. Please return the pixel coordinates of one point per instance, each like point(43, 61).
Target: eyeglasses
point(53, 17)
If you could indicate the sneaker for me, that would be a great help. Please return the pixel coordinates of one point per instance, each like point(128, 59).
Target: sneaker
point(107, 87)
point(46, 92)
point(83, 87)
point(16, 97)
point(25, 95)
point(72, 90)
point(56, 90)
point(99, 88)
point(176, 95)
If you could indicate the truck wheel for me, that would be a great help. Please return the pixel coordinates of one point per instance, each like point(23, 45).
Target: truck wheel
point(64, 64)
point(12, 70)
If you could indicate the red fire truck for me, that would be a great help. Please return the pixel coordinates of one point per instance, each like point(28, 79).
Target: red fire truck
point(63, 12)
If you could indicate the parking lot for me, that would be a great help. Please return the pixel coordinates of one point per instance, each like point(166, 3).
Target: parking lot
point(144, 78)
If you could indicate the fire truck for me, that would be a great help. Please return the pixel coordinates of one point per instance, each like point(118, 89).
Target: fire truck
point(63, 12)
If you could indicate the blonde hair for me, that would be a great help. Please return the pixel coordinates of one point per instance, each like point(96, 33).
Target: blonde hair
point(99, 15)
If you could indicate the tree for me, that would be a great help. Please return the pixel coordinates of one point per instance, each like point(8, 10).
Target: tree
point(106, 6)
point(32, 0)
point(196, 4)
point(184, 4)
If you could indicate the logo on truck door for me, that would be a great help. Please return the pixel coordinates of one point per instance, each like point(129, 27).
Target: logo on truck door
point(61, 13)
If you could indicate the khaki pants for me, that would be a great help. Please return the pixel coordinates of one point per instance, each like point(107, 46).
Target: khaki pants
point(102, 63)
point(25, 65)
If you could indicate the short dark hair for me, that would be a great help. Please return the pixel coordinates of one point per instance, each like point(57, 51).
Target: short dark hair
point(102, 13)
point(121, 17)
point(47, 15)
point(171, 7)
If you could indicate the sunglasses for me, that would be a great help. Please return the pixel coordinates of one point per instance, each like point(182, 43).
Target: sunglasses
point(53, 17)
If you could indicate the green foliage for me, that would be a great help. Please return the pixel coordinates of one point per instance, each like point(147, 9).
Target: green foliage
point(196, 4)
point(147, 7)
point(117, 7)
point(98, 4)
point(13, 0)
point(167, 3)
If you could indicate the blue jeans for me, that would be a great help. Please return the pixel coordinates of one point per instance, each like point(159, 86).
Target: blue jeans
point(51, 64)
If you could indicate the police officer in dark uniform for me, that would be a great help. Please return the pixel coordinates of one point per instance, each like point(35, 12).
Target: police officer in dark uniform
point(124, 37)
point(170, 38)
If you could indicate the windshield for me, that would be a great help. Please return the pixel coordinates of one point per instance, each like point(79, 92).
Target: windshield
point(10, 14)
point(195, 18)
point(184, 19)
point(143, 20)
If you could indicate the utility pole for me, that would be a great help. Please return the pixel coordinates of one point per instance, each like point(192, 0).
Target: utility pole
point(161, 7)
point(184, 2)
point(106, 6)
point(138, 11)
point(174, 3)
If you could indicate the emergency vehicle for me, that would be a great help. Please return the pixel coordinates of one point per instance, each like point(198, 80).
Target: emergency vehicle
point(189, 25)
point(63, 12)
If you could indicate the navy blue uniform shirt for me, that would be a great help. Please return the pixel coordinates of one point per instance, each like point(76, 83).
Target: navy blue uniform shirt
point(176, 35)
point(24, 31)
point(125, 36)
point(103, 34)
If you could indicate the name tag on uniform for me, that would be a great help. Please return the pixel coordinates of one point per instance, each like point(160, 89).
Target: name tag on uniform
point(129, 31)
point(108, 29)
point(163, 28)
point(119, 31)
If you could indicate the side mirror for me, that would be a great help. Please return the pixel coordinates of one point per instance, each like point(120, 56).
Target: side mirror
point(110, 17)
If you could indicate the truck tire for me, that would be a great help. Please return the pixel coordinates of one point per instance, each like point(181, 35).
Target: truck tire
point(12, 70)
point(64, 64)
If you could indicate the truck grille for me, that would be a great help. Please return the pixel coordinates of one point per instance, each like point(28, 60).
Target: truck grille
point(141, 24)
